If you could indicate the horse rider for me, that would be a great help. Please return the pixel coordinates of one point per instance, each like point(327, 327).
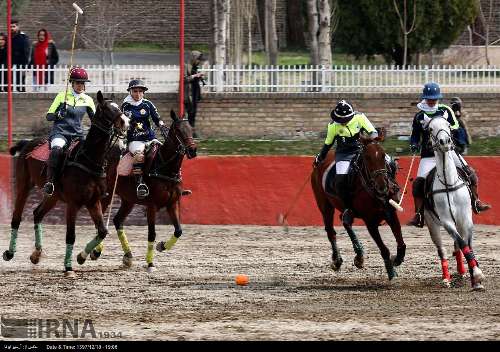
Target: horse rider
point(344, 129)
point(140, 134)
point(430, 108)
point(67, 112)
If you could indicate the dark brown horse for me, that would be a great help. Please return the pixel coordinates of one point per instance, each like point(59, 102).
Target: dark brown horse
point(165, 184)
point(372, 189)
point(82, 181)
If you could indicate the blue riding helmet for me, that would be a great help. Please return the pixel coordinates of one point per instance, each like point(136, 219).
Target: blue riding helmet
point(431, 91)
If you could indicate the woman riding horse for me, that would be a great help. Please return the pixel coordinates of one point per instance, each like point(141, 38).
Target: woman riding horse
point(163, 174)
point(420, 138)
point(82, 181)
point(372, 185)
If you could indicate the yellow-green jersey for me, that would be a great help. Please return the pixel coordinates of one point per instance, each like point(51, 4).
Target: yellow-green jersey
point(76, 107)
point(347, 135)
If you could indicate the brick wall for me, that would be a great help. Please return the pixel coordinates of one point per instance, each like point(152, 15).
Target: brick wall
point(160, 24)
point(273, 115)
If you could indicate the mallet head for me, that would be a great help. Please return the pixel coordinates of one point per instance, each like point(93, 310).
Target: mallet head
point(77, 8)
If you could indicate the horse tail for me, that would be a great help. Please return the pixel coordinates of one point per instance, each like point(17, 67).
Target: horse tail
point(19, 146)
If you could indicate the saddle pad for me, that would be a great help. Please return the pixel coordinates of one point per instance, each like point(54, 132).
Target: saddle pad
point(42, 151)
point(125, 165)
point(328, 177)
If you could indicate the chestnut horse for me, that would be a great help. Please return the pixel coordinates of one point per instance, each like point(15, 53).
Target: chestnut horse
point(81, 181)
point(165, 185)
point(372, 189)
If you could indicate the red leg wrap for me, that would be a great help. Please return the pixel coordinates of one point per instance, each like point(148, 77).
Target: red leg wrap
point(460, 262)
point(444, 267)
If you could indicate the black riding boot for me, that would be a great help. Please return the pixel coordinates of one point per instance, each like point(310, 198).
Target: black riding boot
point(52, 168)
point(418, 198)
point(142, 188)
point(477, 205)
point(344, 193)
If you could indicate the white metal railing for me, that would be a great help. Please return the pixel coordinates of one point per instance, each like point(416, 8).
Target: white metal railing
point(268, 79)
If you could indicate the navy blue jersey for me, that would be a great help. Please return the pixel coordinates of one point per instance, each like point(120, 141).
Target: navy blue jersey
point(140, 120)
point(420, 133)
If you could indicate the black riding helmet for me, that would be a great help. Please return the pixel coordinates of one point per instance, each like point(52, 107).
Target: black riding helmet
point(137, 83)
point(456, 104)
point(343, 112)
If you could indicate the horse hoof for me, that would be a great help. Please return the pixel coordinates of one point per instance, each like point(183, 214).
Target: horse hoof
point(477, 274)
point(151, 268)
point(8, 255)
point(359, 261)
point(446, 283)
point(396, 261)
point(478, 287)
point(160, 246)
point(80, 259)
point(128, 259)
point(336, 264)
point(70, 274)
point(94, 255)
point(36, 256)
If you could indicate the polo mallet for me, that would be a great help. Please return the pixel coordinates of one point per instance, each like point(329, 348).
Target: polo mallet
point(78, 10)
point(398, 206)
point(282, 217)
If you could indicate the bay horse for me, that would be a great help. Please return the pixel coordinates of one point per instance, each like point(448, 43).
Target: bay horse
point(81, 182)
point(372, 189)
point(164, 180)
point(448, 204)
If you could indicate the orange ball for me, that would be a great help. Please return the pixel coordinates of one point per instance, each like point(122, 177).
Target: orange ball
point(242, 279)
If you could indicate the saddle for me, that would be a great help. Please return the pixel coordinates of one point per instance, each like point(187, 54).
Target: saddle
point(328, 180)
point(126, 163)
point(429, 180)
point(42, 151)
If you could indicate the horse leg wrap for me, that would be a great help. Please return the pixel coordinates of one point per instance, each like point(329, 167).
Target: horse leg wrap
point(38, 236)
point(13, 240)
point(123, 240)
point(444, 267)
point(469, 256)
point(100, 247)
point(150, 253)
point(460, 262)
point(171, 242)
point(91, 245)
point(67, 257)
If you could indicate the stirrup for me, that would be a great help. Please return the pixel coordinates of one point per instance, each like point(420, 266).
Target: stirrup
point(142, 191)
point(480, 206)
point(417, 221)
point(186, 192)
point(49, 188)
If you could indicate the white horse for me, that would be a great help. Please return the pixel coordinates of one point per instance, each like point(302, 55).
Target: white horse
point(452, 205)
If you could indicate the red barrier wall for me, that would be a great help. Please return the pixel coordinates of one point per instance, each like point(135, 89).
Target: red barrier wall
point(5, 188)
point(254, 190)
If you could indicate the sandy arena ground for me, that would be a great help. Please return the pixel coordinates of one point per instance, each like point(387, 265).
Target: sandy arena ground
point(292, 295)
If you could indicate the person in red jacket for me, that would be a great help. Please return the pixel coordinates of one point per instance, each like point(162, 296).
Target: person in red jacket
point(43, 57)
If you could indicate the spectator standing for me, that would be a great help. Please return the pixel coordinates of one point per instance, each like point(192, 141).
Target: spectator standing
point(3, 62)
point(462, 136)
point(192, 88)
point(20, 53)
point(43, 57)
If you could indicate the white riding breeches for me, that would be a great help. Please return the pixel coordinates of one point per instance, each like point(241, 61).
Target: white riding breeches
point(342, 167)
point(136, 147)
point(57, 142)
point(427, 164)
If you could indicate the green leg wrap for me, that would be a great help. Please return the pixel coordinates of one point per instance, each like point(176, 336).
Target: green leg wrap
point(150, 253)
point(123, 240)
point(170, 243)
point(67, 257)
point(38, 236)
point(13, 240)
point(92, 244)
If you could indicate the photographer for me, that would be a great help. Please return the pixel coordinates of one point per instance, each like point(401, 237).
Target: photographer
point(192, 88)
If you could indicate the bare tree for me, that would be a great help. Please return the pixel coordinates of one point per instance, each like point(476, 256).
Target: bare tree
point(221, 10)
point(320, 14)
point(403, 19)
point(486, 24)
point(248, 10)
point(271, 33)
